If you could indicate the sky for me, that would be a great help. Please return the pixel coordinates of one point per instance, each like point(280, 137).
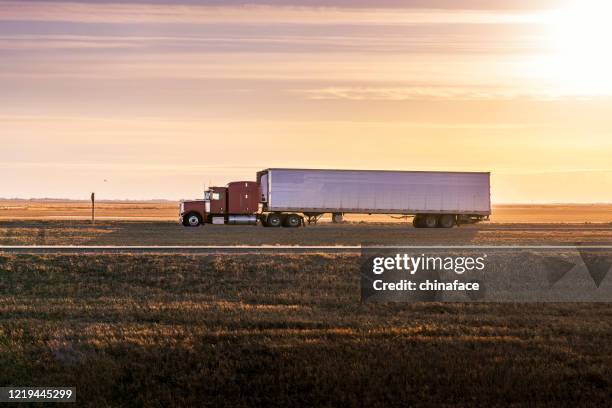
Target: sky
point(155, 99)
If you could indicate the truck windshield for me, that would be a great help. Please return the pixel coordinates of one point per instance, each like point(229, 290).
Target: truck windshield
point(211, 195)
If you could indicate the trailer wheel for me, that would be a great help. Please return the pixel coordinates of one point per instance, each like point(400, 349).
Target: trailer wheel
point(274, 220)
point(192, 220)
point(446, 221)
point(292, 221)
point(430, 221)
point(417, 222)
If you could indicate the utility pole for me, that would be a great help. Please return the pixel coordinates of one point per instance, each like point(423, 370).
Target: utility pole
point(93, 208)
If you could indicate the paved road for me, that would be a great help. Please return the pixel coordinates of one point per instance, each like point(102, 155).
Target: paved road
point(173, 249)
point(241, 249)
point(168, 237)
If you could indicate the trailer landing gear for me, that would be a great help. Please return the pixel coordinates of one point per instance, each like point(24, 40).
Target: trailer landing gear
point(313, 218)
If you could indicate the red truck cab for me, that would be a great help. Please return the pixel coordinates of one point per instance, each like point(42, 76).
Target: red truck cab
point(237, 203)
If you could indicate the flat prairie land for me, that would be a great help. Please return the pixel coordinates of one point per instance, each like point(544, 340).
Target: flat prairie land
point(81, 210)
point(552, 213)
point(282, 330)
point(168, 211)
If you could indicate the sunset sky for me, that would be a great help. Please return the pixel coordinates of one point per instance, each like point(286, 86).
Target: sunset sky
point(159, 98)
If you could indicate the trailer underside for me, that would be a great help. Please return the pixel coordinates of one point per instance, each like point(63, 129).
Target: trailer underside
point(373, 211)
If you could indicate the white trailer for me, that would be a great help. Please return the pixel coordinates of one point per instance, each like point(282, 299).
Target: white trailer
point(435, 199)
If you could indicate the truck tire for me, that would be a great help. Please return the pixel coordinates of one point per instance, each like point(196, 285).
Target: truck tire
point(417, 222)
point(446, 221)
point(337, 218)
point(192, 220)
point(292, 221)
point(430, 221)
point(274, 220)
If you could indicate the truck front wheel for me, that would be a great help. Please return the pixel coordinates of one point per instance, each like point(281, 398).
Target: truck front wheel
point(192, 220)
point(274, 220)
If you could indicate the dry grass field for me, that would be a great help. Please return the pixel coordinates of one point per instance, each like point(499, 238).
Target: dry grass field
point(280, 329)
point(81, 210)
point(283, 331)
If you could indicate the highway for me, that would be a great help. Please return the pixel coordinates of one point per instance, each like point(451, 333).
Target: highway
point(175, 249)
point(249, 249)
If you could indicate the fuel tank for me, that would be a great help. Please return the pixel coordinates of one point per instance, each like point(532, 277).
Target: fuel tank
point(242, 219)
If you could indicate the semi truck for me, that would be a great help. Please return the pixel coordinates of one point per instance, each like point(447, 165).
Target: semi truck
point(283, 197)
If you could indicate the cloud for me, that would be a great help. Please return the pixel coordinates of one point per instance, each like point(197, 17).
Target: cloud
point(266, 42)
point(414, 93)
point(254, 14)
point(430, 4)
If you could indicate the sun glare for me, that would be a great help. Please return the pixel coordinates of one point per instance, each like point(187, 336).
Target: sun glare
point(579, 39)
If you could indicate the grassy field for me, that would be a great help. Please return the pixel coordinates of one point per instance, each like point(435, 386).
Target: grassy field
point(282, 331)
point(80, 210)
